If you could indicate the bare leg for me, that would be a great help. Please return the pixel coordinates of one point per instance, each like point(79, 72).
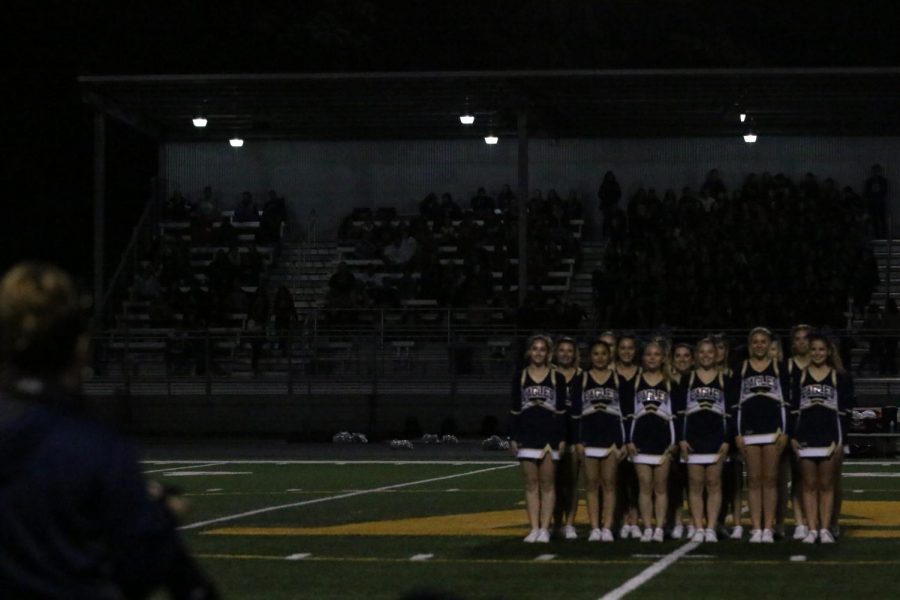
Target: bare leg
point(661, 489)
point(592, 490)
point(561, 485)
point(574, 469)
point(838, 488)
point(713, 493)
point(645, 494)
point(547, 474)
point(754, 459)
point(609, 469)
point(810, 492)
point(797, 490)
point(827, 470)
point(695, 494)
point(770, 456)
point(784, 474)
point(532, 492)
point(737, 493)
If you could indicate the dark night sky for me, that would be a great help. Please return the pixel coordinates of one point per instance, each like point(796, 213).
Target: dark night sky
point(46, 142)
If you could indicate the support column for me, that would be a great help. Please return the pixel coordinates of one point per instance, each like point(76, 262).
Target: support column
point(99, 208)
point(522, 203)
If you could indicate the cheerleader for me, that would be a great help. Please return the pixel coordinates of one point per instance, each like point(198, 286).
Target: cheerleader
point(601, 438)
point(761, 427)
point(790, 464)
point(682, 365)
point(627, 371)
point(705, 435)
point(652, 438)
point(537, 431)
point(823, 392)
point(733, 469)
point(566, 360)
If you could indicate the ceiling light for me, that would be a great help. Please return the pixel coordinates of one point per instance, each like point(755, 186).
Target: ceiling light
point(743, 117)
point(467, 119)
point(750, 137)
point(236, 142)
point(491, 139)
point(199, 121)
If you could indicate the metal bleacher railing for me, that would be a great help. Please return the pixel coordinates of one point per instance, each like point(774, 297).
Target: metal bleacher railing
point(412, 350)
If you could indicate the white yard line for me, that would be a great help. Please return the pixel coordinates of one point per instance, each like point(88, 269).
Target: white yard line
point(395, 486)
point(455, 463)
point(650, 572)
point(193, 465)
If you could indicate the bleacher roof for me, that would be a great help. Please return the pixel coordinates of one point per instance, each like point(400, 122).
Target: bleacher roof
point(561, 104)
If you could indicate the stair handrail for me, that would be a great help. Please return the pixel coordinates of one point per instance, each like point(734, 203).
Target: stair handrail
point(129, 262)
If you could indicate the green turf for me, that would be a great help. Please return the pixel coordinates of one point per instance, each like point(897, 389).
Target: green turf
point(484, 566)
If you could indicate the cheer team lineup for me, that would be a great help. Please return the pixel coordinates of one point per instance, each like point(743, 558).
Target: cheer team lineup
point(646, 422)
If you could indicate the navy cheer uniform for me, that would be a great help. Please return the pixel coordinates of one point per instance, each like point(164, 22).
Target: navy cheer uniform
point(652, 429)
point(538, 415)
point(599, 410)
point(572, 390)
point(705, 422)
point(819, 408)
point(761, 414)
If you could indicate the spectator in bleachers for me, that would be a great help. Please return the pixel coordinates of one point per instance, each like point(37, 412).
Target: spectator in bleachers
point(506, 200)
point(449, 208)
point(285, 317)
point(468, 235)
point(871, 330)
point(738, 246)
point(891, 324)
point(225, 234)
point(146, 284)
point(220, 272)
point(341, 286)
point(255, 326)
point(432, 278)
point(251, 266)
point(713, 186)
point(402, 250)
point(235, 300)
point(481, 203)
point(572, 208)
point(865, 281)
point(610, 193)
point(246, 211)
point(876, 191)
point(207, 207)
point(430, 207)
point(201, 230)
point(176, 208)
point(274, 214)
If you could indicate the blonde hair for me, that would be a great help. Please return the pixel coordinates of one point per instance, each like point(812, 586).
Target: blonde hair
point(760, 330)
point(41, 319)
point(664, 368)
point(548, 341)
point(576, 359)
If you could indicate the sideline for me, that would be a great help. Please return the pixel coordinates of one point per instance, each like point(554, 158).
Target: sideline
point(457, 463)
point(395, 486)
point(190, 466)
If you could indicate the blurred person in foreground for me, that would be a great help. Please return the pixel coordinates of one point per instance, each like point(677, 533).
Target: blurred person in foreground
point(77, 518)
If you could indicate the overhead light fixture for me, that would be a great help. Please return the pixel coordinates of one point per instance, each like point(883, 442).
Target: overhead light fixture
point(467, 118)
point(491, 139)
point(199, 121)
point(236, 142)
point(750, 136)
point(743, 117)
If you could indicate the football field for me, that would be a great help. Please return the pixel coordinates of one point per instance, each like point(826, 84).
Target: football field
point(384, 526)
